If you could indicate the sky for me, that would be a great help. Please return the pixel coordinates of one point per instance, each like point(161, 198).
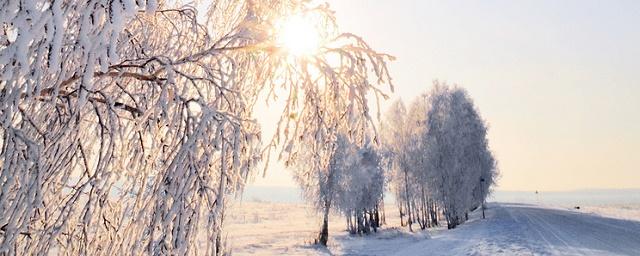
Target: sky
point(558, 82)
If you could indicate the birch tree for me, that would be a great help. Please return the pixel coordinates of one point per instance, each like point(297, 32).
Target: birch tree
point(360, 185)
point(457, 152)
point(395, 134)
point(125, 124)
point(443, 163)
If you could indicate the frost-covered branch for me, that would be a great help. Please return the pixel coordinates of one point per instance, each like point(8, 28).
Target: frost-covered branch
point(125, 124)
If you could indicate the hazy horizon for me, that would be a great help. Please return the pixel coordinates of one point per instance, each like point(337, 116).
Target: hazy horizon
point(262, 184)
point(284, 194)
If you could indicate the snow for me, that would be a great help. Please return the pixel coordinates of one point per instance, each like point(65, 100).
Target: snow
point(521, 229)
point(261, 228)
point(626, 212)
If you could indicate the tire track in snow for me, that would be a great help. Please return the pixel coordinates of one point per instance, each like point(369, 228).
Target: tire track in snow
point(557, 234)
point(532, 225)
point(591, 232)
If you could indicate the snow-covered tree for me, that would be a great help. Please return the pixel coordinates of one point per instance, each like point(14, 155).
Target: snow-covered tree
point(125, 123)
point(441, 142)
point(395, 134)
point(319, 180)
point(424, 207)
point(360, 185)
point(456, 152)
point(351, 183)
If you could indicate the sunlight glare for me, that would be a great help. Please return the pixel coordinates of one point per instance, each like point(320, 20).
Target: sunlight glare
point(298, 36)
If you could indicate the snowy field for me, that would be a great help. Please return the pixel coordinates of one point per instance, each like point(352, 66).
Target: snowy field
point(260, 228)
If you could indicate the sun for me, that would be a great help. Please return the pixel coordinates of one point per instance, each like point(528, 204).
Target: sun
point(298, 36)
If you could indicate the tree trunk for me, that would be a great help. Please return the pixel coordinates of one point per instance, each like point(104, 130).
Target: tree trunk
point(406, 188)
point(401, 216)
point(434, 212)
point(367, 221)
point(357, 222)
point(360, 222)
point(324, 231)
point(377, 218)
point(372, 221)
point(350, 225)
point(423, 209)
point(384, 219)
point(483, 209)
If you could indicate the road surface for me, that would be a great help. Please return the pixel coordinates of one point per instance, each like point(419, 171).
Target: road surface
point(519, 229)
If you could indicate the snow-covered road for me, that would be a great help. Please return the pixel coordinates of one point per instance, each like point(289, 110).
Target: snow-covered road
point(518, 229)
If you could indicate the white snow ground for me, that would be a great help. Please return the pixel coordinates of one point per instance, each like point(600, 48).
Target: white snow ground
point(510, 229)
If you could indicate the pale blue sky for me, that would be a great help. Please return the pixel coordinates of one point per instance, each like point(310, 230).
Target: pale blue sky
point(558, 81)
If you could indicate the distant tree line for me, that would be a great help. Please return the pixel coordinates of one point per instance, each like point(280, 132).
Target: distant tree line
point(435, 156)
